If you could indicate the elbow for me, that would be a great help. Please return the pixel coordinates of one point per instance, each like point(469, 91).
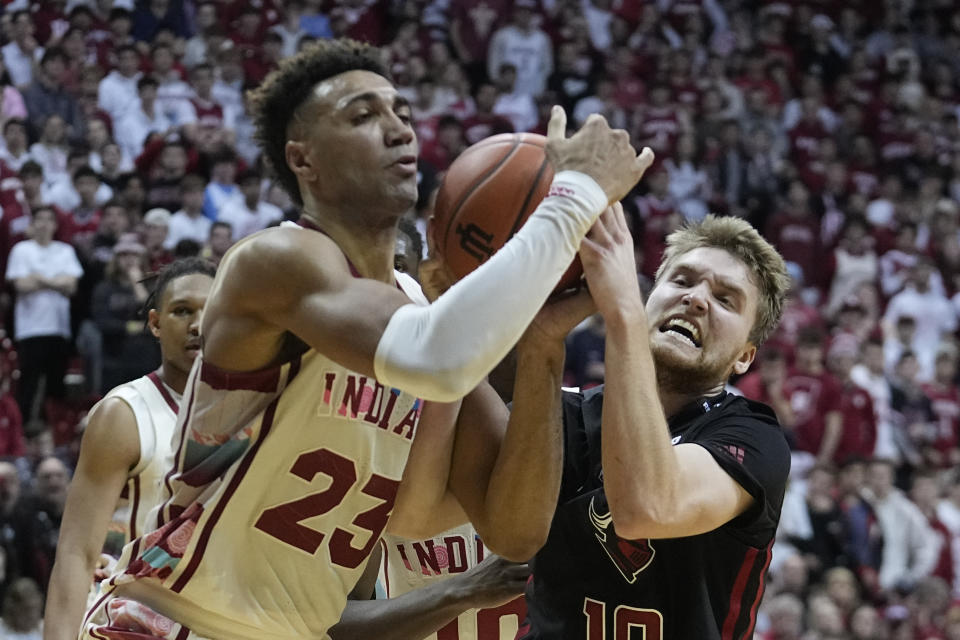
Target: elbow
point(635, 521)
point(516, 546)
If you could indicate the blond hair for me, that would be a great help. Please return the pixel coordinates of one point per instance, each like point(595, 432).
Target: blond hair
point(737, 237)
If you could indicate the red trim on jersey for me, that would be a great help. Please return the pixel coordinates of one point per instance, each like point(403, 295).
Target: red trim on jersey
point(264, 380)
point(306, 223)
point(184, 633)
point(135, 507)
point(162, 388)
point(96, 606)
point(759, 596)
point(204, 539)
point(736, 597)
point(177, 458)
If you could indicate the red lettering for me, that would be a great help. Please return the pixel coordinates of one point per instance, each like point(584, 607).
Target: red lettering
point(427, 557)
point(375, 401)
point(352, 395)
point(388, 412)
point(456, 553)
point(410, 420)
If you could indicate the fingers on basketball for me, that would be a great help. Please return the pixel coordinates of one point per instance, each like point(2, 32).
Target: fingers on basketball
point(557, 127)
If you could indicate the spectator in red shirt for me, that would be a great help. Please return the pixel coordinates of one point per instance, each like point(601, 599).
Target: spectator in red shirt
point(858, 424)
point(941, 451)
point(815, 398)
point(447, 144)
point(484, 122)
point(795, 232)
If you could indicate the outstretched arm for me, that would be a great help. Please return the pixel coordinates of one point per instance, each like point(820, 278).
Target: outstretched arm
point(441, 351)
point(110, 448)
point(421, 612)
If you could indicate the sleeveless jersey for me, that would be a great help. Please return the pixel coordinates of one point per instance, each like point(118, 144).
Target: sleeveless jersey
point(409, 565)
point(283, 481)
point(590, 583)
point(154, 407)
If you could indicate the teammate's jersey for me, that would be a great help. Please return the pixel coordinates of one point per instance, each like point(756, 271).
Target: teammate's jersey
point(409, 565)
point(589, 583)
point(154, 407)
point(283, 481)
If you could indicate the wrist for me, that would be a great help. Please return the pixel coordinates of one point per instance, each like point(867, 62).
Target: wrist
point(541, 348)
point(625, 317)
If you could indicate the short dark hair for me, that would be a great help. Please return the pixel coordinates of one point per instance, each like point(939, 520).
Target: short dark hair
point(147, 81)
point(85, 172)
point(117, 13)
point(277, 100)
point(248, 174)
point(407, 228)
point(126, 47)
point(14, 122)
point(192, 182)
point(220, 224)
point(51, 53)
point(174, 270)
point(30, 167)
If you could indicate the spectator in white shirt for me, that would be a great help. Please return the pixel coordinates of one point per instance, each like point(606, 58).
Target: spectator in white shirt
point(14, 152)
point(50, 152)
point(525, 46)
point(249, 214)
point(118, 90)
point(21, 54)
point(932, 311)
point(189, 223)
point(44, 274)
point(143, 118)
point(173, 94)
point(222, 187)
point(517, 107)
point(910, 547)
point(228, 88)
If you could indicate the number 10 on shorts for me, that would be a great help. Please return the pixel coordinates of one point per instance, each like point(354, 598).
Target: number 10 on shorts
point(644, 624)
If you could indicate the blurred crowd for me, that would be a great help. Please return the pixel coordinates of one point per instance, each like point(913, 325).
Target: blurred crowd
point(832, 127)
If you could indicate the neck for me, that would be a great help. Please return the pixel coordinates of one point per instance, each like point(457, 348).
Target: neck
point(252, 203)
point(172, 377)
point(370, 247)
point(674, 401)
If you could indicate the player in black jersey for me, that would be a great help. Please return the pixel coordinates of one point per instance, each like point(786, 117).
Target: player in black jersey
point(664, 525)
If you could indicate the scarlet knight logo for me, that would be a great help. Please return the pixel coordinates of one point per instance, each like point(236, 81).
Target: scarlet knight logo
point(629, 556)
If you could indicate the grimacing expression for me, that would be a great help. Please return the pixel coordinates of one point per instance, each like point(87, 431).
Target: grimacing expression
point(700, 314)
point(353, 142)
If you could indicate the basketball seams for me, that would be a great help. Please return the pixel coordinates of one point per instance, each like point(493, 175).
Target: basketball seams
point(526, 202)
point(515, 144)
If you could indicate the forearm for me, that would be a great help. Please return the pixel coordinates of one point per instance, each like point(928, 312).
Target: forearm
point(443, 351)
point(522, 493)
point(70, 583)
point(639, 464)
point(67, 285)
point(412, 616)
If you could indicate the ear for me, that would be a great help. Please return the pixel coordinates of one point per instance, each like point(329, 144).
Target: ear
point(153, 321)
point(745, 360)
point(295, 153)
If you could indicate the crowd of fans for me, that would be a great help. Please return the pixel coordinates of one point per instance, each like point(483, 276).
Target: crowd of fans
point(833, 127)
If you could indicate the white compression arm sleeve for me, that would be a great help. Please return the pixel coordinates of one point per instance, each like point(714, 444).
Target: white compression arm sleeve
point(442, 351)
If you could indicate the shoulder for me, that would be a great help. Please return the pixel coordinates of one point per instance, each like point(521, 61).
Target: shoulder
point(281, 261)
point(112, 426)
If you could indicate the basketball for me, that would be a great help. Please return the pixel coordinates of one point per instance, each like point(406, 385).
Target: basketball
point(487, 194)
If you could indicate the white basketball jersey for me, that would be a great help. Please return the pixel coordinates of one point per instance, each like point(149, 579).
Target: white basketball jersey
point(409, 565)
point(154, 407)
point(283, 481)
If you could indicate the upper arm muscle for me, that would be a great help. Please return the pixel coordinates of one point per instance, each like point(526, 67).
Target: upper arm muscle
point(709, 497)
point(109, 449)
point(285, 280)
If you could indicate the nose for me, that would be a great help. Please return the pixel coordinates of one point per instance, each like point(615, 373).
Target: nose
point(195, 324)
point(397, 132)
point(696, 297)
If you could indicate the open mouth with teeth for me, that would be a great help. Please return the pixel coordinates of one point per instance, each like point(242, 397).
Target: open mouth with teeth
point(684, 329)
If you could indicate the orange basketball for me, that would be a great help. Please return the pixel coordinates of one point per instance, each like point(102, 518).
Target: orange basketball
point(486, 195)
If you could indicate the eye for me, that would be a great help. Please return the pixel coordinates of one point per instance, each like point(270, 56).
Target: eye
point(680, 280)
point(362, 117)
point(405, 117)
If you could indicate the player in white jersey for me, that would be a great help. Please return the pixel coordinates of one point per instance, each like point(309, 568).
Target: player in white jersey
point(126, 450)
point(299, 418)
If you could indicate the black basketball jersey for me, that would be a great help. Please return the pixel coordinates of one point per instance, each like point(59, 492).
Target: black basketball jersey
point(589, 583)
